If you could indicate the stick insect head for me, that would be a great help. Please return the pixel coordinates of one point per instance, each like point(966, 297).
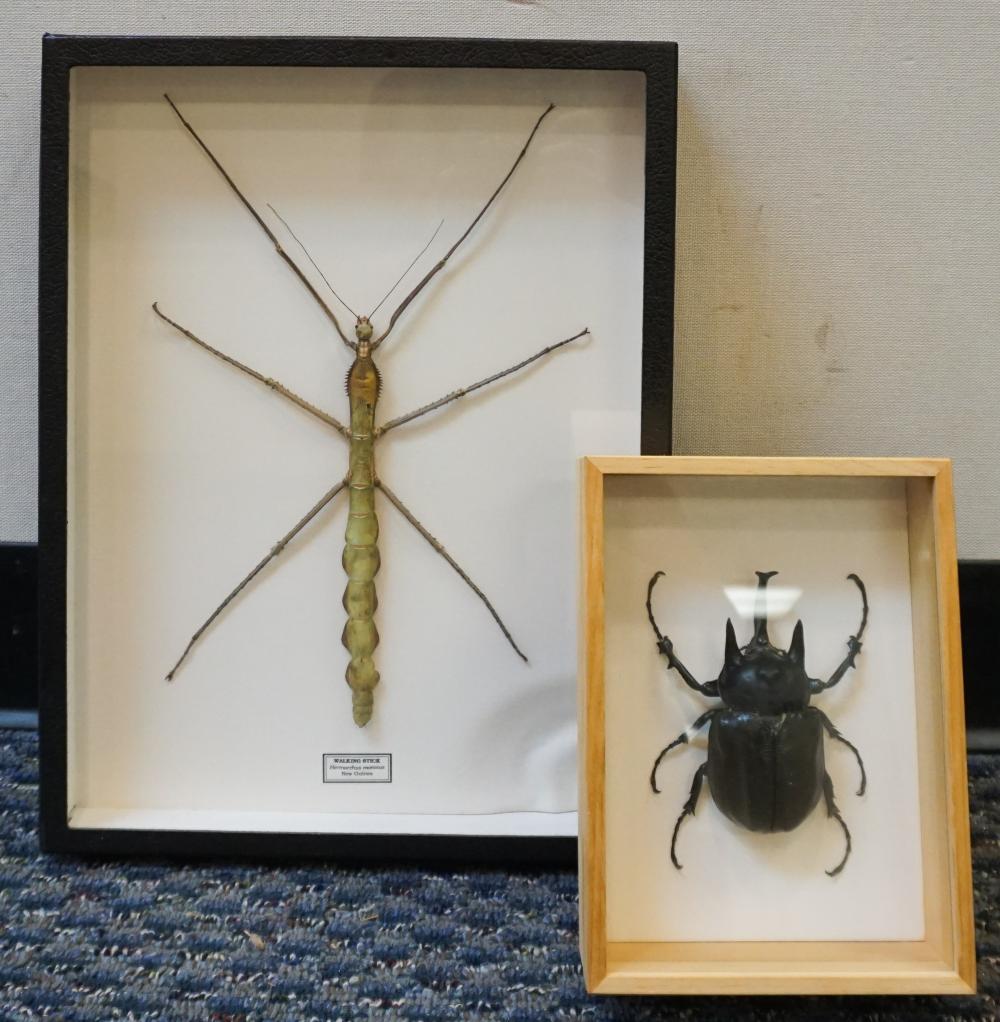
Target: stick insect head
point(363, 332)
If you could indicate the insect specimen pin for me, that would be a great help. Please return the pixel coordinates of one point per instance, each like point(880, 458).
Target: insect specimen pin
point(361, 558)
point(766, 768)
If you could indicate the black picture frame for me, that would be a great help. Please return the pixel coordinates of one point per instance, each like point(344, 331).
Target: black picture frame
point(60, 54)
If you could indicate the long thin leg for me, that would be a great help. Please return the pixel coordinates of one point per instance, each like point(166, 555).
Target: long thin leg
point(682, 739)
point(832, 731)
point(853, 644)
point(411, 518)
point(274, 551)
point(279, 388)
point(462, 391)
point(666, 647)
point(832, 810)
point(293, 265)
point(437, 267)
point(688, 810)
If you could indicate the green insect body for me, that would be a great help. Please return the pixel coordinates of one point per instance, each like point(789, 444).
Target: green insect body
point(361, 557)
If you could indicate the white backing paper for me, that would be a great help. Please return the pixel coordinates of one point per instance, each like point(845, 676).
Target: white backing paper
point(710, 535)
point(184, 473)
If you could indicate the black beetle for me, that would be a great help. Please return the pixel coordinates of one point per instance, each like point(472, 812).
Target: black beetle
point(765, 766)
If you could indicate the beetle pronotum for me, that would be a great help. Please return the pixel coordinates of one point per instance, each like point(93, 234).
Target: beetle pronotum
point(361, 555)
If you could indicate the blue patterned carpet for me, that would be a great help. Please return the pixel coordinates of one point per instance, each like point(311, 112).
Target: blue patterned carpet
point(84, 941)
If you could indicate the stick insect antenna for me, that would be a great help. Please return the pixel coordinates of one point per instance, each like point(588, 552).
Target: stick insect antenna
point(407, 270)
point(439, 265)
point(292, 264)
point(298, 242)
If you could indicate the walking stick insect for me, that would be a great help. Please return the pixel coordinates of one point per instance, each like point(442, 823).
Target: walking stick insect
point(361, 555)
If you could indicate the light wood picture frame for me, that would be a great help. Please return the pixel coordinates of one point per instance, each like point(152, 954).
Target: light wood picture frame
point(938, 957)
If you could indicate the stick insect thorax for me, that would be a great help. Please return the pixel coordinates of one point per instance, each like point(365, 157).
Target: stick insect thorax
point(361, 557)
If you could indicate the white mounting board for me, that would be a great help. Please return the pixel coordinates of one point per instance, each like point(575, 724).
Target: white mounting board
point(183, 473)
point(710, 535)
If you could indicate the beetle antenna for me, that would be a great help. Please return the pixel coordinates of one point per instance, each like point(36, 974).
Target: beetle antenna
point(313, 261)
point(407, 270)
point(760, 606)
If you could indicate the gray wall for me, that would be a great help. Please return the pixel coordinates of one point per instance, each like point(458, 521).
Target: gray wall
point(838, 229)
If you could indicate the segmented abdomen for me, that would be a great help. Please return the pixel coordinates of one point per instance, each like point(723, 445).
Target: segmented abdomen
point(361, 561)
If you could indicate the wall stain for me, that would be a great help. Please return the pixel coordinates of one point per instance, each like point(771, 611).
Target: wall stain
point(822, 334)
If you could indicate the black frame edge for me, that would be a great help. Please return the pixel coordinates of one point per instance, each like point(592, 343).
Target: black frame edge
point(53, 267)
point(18, 631)
point(657, 60)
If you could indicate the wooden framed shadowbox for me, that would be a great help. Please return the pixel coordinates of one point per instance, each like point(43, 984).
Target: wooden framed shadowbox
point(169, 468)
point(758, 912)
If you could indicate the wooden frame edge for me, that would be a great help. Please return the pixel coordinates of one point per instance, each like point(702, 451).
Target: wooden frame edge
point(764, 466)
point(951, 971)
point(833, 983)
point(593, 915)
point(950, 640)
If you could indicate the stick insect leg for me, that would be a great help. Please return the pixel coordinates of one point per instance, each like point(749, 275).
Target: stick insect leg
point(411, 518)
point(853, 644)
point(832, 731)
point(438, 266)
point(462, 391)
point(688, 810)
point(682, 739)
point(292, 264)
point(274, 385)
point(274, 551)
point(666, 647)
point(832, 810)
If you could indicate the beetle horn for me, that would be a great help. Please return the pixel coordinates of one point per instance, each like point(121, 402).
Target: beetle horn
point(760, 609)
point(732, 646)
point(797, 650)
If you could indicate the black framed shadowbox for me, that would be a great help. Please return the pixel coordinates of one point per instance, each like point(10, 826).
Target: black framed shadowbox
point(183, 445)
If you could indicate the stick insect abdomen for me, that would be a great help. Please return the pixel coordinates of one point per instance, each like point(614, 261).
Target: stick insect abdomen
point(361, 557)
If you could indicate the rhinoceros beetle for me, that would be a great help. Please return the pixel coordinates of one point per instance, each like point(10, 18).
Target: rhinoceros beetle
point(765, 766)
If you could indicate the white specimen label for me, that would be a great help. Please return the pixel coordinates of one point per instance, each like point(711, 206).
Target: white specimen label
point(357, 768)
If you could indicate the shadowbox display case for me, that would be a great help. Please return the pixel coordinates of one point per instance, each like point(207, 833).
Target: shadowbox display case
point(256, 190)
point(769, 806)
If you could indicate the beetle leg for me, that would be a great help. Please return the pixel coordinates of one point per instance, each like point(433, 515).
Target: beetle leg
point(682, 739)
point(853, 649)
point(832, 810)
point(688, 810)
point(666, 647)
point(853, 645)
point(832, 731)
